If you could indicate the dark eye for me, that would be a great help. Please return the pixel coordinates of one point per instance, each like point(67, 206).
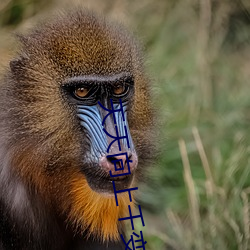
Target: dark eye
point(81, 92)
point(119, 89)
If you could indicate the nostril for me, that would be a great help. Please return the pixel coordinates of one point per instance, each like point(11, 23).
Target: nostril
point(119, 163)
point(129, 156)
point(120, 157)
point(111, 158)
point(114, 160)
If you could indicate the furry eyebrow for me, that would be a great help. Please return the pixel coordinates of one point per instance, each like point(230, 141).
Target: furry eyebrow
point(90, 79)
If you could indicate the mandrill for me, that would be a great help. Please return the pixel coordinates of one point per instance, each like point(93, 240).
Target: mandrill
point(56, 158)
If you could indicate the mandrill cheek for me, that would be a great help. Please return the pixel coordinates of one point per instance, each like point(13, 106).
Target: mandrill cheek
point(91, 120)
point(108, 141)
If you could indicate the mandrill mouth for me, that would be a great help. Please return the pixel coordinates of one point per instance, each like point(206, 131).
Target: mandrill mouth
point(111, 172)
point(118, 178)
point(101, 182)
point(121, 182)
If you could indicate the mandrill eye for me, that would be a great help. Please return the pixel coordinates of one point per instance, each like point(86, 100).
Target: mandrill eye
point(81, 92)
point(119, 89)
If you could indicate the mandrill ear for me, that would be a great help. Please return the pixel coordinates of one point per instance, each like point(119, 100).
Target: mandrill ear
point(15, 64)
point(18, 63)
point(17, 67)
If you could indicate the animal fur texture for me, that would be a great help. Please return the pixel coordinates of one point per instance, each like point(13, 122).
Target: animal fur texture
point(45, 200)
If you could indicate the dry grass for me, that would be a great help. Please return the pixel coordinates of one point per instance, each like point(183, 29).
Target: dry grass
point(199, 56)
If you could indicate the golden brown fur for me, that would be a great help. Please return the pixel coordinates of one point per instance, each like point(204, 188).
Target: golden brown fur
point(40, 137)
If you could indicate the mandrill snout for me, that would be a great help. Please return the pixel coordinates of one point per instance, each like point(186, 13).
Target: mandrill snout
point(120, 164)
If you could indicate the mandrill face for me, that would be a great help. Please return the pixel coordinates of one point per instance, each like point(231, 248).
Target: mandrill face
point(92, 97)
point(56, 125)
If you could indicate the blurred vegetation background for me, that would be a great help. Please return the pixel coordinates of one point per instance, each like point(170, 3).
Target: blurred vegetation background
point(198, 55)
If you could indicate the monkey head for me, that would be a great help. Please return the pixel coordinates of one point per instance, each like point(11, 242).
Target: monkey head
point(58, 135)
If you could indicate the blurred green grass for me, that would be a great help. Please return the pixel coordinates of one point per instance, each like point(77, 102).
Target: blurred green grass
point(198, 54)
